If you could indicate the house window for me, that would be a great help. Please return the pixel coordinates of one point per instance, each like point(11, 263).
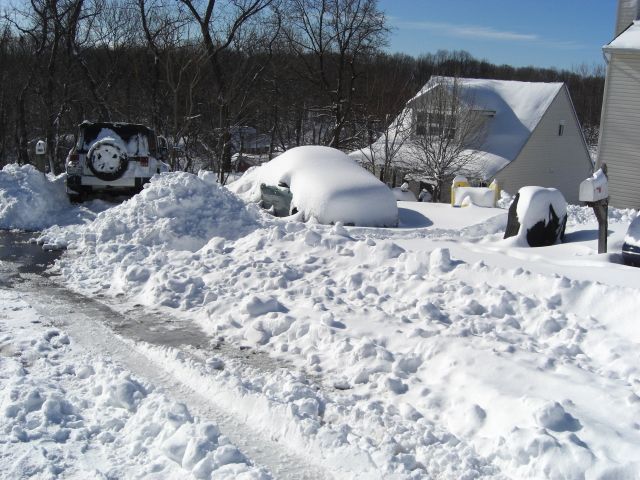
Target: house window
point(561, 128)
point(435, 125)
point(421, 123)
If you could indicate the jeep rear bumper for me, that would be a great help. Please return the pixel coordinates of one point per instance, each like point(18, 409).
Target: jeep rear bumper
point(86, 184)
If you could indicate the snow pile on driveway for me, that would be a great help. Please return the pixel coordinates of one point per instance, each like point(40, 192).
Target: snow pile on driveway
point(429, 365)
point(175, 211)
point(65, 413)
point(326, 186)
point(30, 200)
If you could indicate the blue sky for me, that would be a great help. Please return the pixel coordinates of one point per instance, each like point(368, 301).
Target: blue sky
point(543, 33)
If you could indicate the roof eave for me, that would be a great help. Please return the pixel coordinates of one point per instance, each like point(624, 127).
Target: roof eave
point(609, 48)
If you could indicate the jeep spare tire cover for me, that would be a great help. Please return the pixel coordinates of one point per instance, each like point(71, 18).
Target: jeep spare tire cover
point(107, 159)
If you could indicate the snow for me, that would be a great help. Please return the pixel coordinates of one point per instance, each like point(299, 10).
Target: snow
point(404, 195)
point(633, 234)
point(29, 200)
point(67, 413)
point(629, 39)
point(534, 204)
point(432, 350)
point(106, 134)
point(179, 211)
point(326, 186)
point(479, 196)
point(137, 145)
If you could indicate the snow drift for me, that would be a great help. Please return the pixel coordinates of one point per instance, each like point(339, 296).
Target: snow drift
point(326, 185)
point(29, 200)
point(543, 382)
point(176, 211)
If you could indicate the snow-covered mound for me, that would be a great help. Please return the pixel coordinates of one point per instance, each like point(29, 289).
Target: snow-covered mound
point(580, 215)
point(505, 200)
point(403, 195)
point(481, 197)
point(29, 200)
point(326, 185)
point(176, 211)
point(633, 234)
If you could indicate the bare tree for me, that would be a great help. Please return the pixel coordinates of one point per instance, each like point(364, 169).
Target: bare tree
point(220, 24)
point(381, 155)
point(333, 38)
point(449, 128)
point(382, 116)
point(5, 39)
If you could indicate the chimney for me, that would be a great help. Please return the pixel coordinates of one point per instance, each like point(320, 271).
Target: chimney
point(627, 13)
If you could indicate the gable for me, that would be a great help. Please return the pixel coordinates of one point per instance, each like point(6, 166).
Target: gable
point(629, 39)
point(549, 159)
point(516, 109)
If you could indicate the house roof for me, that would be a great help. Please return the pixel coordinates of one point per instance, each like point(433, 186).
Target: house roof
point(518, 108)
point(629, 39)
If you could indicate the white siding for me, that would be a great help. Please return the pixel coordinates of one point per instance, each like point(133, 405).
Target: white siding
point(627, 13)
point(620, 134)
point(549, 159)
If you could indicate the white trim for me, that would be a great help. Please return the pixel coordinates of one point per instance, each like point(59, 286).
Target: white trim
point(603, 112)
point(577, 121)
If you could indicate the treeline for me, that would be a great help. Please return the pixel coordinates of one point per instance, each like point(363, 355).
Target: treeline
point(299, 71)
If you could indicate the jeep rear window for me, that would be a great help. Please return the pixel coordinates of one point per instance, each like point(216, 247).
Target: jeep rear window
point(139, 140)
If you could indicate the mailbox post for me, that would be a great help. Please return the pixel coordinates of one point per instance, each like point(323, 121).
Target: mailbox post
point(41, 151)
point(594, 191)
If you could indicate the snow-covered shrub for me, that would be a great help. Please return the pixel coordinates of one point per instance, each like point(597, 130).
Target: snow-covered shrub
point(537, 217)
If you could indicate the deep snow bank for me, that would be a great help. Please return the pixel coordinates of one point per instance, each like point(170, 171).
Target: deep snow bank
point(326, 185)
point(30, 200)
point(176, 211)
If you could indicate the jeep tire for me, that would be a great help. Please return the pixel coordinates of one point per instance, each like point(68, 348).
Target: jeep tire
point(107, 160)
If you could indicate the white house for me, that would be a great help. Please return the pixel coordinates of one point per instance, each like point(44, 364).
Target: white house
point(619, 144)
point(533, 136)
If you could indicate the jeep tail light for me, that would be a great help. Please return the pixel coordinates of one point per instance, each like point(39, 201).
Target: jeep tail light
point(144, 161)
point(74, 158)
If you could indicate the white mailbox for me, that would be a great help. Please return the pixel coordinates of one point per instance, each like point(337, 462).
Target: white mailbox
point(594, 188)
point(41, 147)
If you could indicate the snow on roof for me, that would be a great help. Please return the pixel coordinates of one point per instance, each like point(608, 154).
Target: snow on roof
point(629, 39)
point(518, 108)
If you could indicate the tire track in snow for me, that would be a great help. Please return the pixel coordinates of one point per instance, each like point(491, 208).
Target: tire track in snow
point(83, 319)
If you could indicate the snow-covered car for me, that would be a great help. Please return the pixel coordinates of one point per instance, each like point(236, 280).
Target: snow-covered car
point(324, 184)
point(631, 245)
point(113, 157)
